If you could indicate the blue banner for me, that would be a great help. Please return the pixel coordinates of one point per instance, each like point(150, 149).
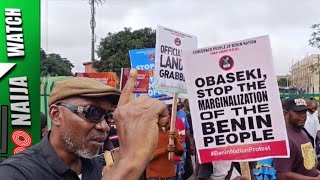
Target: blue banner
point(143, 59)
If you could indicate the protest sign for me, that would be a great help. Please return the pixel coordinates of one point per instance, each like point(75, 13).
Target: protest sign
point(19, 76)
point(142, 82)
point(143, 59)
point(235, 103)
point(108, 78)
point(169, 76)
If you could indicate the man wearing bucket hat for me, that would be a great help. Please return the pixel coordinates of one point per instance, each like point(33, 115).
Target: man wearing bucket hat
point(78, 107)
point(302, 161)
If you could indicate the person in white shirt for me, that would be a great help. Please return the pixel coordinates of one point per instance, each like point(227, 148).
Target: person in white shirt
point(221, 169)
point(312, 123)
point(218, 170)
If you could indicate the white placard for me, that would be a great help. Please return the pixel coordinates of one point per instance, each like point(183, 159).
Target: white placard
point(235, 102)
point(169, 76)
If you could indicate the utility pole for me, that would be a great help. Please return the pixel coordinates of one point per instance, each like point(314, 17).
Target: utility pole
point(93, 25)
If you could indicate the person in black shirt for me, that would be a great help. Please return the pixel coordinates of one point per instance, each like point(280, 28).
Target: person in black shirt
point(78, 107)
point(78, 132)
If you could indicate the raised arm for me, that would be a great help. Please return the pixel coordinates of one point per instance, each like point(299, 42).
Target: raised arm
point(139, 116)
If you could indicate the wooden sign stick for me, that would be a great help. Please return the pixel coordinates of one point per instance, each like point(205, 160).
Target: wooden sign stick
point(108, 157)
point(111, 156)
point(121, 79)
point(173, 122)
point(245, 170)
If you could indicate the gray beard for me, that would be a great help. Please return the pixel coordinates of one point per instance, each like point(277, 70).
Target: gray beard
point(81, 152)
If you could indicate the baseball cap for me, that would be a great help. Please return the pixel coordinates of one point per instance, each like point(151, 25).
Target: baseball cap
point(83, 87)
point(295, 104)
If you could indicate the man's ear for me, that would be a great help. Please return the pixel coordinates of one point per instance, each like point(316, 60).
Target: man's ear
point(55, 114)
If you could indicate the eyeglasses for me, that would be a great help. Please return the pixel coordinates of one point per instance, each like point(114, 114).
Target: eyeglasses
point(93, 114)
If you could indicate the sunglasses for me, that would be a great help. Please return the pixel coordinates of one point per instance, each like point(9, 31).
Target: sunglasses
point(93, 114)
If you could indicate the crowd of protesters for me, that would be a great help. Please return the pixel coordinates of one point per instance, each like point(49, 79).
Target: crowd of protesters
point(303, 128)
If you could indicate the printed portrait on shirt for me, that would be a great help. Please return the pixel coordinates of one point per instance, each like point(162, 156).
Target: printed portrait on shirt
point(308, 155)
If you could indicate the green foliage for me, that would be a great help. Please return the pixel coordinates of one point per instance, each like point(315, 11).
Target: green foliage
point(53, 64)
point(282, 82)
point(99, 2)
point(315, 36)
point(113, 49)
point(314, 41)
point(43, 55)
point(314, 68)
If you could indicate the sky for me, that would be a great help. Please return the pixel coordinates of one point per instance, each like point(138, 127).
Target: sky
point(65, 24)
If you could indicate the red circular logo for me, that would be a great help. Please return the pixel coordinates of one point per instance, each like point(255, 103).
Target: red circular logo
point(151, 57)
point(226, 62)
point(21, 138)
point(18, 149)
point(177, 41)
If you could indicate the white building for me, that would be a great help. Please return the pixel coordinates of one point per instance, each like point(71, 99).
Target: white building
point(303, 78)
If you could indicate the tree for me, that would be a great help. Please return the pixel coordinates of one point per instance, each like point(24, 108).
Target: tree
point(282, 82)
point(113, 49)
point(315, 42)
point(53, 64)
point(99, 2)
point(43, 54)
point(315, 36)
